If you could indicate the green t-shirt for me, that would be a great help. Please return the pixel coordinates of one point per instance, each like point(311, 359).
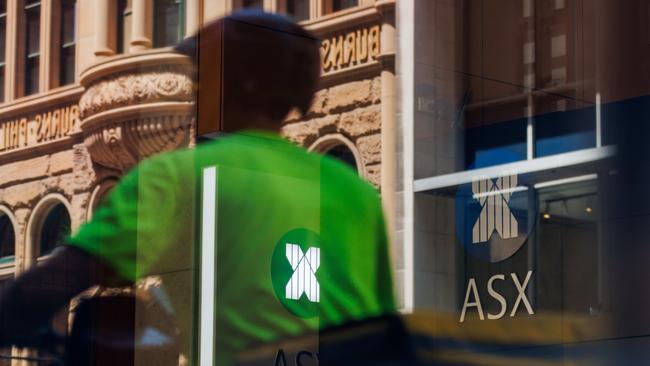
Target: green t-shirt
point(300, 239)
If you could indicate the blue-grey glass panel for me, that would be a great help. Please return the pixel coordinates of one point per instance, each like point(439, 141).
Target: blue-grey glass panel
point(495, 144)
point(561, 132)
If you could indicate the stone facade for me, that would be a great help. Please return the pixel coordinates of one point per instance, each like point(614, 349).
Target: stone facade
point(352, 111)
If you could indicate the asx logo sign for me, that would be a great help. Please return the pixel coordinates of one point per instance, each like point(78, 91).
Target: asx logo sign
point(473, 300)
point(495, 216)
point(492, 216)
point(294, 272)
point(303, 280)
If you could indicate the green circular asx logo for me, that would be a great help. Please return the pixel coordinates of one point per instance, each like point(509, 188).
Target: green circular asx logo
point(294, 272)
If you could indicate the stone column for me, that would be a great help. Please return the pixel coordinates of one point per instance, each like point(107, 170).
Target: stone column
point(192, 17)
point(11, 48)
point(140, 33)
point(102, 47)
point(388, 130)
point(213, 9)
point(45, 68)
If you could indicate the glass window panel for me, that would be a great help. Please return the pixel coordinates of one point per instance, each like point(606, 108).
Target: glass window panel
point(252, 3)
point(122, 16)
point(343, 4)
point(568, 240)
point(344, 154)
point(167, 22)
point(55, 229)
point(67, 51)
point(7, 239)
point(67, 21)
point(33, 21)
point(299, 9)
point(67, 65)
point(495, 144)
point(559, 226)
point(3, 33)
point(561, 132)
point(31, 75)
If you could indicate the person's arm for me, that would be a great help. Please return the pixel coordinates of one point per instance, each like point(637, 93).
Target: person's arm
point(140, 209)
point(29, 302)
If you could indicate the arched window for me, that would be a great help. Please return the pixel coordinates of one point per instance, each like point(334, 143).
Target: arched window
point(100, 193)
point(7, 239)
point(339, 147)
point(344, 154)
point(55, 229)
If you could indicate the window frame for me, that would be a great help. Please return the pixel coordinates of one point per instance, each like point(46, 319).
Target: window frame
point(7, 267)
point(3, 61)
point(123, 19)
point(282, 7)
point(180, 31)
point(59, 47)
point(327, 7)
point(24, 56)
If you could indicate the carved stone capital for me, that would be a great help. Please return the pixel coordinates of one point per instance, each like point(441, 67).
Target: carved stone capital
point(162, 83)
point(121, 145)
point(136, 106)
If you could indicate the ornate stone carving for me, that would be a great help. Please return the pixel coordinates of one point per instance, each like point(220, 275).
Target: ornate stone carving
point(161, 83)
point(122, 145)
point(136, 106)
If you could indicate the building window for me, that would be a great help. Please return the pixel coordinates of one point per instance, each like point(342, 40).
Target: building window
point(168, 22)
point(344, 154)
point(123, 16)
point(340, 148)
point(7, 240)
point(55, 229)
point(32, 13)
point(298, 9)
point(331, 6)
point(3, 37)
point(68, 45)
point(249, 4)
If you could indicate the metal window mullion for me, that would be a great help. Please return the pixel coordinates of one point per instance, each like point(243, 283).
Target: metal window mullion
point(32, 6)
point(573, 158)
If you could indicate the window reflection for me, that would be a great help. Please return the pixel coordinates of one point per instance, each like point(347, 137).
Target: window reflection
point(67, 41)
point(32, 53)
point(7, 239)
point(55, 229)
point(167, 22)
point(568, 247)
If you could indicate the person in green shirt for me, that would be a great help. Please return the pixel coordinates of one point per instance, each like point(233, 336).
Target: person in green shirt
point(298, 239)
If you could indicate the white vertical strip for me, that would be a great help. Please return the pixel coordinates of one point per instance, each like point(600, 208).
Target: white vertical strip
point(530, 136)
point(405, 20)
point(316, 266)
point(294, 276)
point(599, 131)
point(208, 267)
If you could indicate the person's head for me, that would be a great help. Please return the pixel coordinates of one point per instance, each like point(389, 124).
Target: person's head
point(252, 69)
